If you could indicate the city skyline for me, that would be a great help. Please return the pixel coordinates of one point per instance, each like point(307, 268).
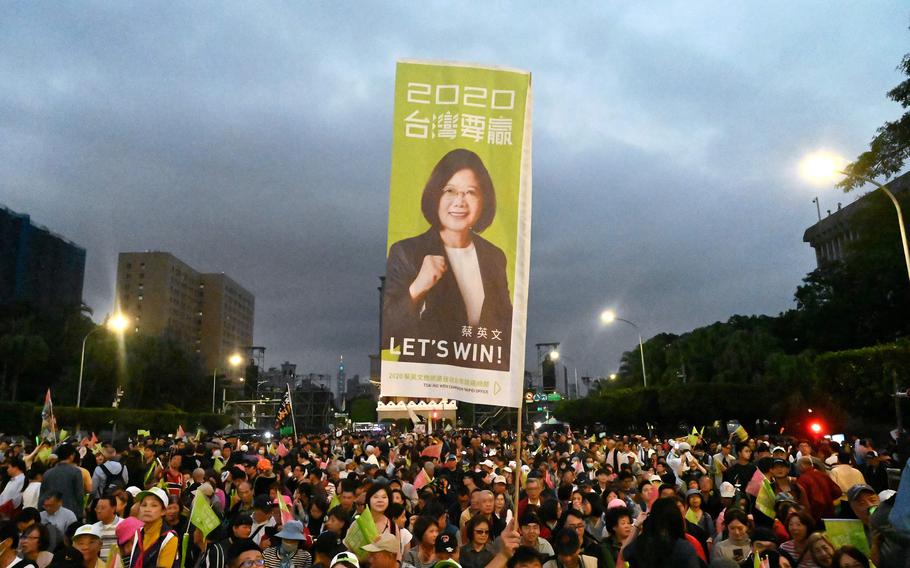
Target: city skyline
point(256, 141)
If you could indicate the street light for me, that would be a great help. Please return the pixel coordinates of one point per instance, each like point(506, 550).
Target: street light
point(608, 317)
point(234, 361)
point(613, 376)
point(825, 167)
point(554, 356)
point(116, 323)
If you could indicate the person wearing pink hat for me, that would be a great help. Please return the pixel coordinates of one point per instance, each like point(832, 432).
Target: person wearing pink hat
point(126, 534)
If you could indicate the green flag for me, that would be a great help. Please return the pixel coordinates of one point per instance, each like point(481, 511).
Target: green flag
point(218, 465)
point(202, 516)
point(334, 502)
point(847, 531)
point(766, 499)
point(691, 516)
point(362, 531)
point(693, 437)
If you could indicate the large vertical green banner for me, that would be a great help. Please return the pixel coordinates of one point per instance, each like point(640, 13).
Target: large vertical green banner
point(455, 302)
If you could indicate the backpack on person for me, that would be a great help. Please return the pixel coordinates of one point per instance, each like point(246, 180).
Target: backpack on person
point(112, 481)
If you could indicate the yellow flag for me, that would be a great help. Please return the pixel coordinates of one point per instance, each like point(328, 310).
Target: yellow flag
point(691, 516)
point(741, 434)
point(693, 437)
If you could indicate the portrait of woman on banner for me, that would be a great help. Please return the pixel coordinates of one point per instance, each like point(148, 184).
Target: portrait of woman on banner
point(449, 278)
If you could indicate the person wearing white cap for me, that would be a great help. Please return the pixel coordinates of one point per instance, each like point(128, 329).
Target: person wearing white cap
point(155, 545)
point(87, 540)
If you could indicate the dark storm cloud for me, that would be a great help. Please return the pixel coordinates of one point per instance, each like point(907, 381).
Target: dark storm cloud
point(255, 140)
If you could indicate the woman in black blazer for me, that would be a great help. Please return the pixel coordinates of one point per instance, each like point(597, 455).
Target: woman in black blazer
point(448, 279)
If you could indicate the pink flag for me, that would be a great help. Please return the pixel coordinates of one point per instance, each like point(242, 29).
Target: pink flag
point(421, 479)
point(432, 451)
point(94, 439)
point(180, 432)
point(282, 449)
point(754, 485)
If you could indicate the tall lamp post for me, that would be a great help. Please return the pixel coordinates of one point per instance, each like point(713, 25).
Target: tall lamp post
point(116, 323)
point(822, 166)
point(555, 356)
point(608, 317)
point(234, 361)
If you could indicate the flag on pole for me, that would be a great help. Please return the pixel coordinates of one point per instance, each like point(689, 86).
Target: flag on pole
point(449, 119)
point(48, 422)
point(755, 484)
point(421, 479)
point(362, 531)
point(282, 450)
point(434, 451)
point(202, 516)
point(693, 437)
point(286, 514)
point(413, 416)
point(284, 410)
point(741, 434)
point(766, 499)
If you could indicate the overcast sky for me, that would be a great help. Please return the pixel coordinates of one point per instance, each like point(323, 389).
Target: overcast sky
point(255, 138)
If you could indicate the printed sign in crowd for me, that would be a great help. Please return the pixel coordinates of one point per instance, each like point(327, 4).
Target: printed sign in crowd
point(455, 298)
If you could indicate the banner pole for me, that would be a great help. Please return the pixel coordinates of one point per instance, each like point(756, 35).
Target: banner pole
point(518, 462)
point(291, 404)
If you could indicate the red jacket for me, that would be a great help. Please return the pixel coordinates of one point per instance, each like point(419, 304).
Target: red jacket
point(821, 492)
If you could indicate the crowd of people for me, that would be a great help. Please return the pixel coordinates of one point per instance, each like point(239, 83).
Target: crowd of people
point(447, 500)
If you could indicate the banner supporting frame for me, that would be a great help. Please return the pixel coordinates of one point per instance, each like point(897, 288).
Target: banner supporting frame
point(518, 461)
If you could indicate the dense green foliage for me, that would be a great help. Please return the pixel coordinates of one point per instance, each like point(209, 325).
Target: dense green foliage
point(25, 419)
point(41, 348)
point(363, 410)
point(846, 388)
point(890, 147)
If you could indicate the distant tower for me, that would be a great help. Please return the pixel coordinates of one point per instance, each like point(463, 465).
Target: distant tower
point(342, 383)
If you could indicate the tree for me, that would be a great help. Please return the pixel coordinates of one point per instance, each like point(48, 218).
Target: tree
point(20, 354)
point(863, 299)
point(363, 410)
point(890, 147)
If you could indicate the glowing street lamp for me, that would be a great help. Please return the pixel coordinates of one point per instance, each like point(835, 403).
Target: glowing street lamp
point(116, 323)
point(613, 376)
point(826, 167)
point(235, 360)
point(608, 317)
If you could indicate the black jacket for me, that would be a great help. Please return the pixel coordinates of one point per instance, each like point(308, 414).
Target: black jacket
point(442, 314)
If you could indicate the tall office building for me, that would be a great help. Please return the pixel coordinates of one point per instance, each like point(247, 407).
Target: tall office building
point(209, 314)
point(36, 265)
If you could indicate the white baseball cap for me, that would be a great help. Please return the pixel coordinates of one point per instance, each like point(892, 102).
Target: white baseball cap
point(87, 530)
